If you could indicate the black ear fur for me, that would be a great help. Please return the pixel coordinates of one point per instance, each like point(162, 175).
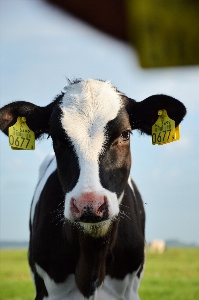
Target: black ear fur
point(37, 118)
point(145, 113)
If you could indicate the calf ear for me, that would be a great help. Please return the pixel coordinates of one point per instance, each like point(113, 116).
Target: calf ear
point(37, 118)
point(145, 113)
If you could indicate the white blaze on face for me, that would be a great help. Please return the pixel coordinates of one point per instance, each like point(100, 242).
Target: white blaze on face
point(87, 108)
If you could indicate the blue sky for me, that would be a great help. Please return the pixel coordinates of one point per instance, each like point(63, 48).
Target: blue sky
point(40, 47)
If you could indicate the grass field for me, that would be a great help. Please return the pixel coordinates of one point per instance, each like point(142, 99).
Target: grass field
point(173, 275)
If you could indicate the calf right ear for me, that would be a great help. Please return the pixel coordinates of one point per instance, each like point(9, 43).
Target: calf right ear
point(144, 114)
point(37, 118)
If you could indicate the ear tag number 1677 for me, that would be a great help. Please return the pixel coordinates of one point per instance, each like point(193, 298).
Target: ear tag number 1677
point(20, 136)
point(164, 131)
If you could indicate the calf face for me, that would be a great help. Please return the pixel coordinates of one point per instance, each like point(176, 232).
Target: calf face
point(90, 129)
point(90, 125)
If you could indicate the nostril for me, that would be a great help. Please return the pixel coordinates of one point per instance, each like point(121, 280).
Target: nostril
point(74, 207)
point(103, 206)
point(89, 205)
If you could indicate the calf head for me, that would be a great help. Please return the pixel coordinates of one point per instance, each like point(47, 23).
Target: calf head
point(90, 124)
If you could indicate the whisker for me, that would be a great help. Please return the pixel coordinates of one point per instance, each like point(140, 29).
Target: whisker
point(125, 205)
point(58, 214)
point(124, 214)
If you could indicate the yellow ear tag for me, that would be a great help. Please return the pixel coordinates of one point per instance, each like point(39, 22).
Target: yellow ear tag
point(164, 131)
point(20, 136)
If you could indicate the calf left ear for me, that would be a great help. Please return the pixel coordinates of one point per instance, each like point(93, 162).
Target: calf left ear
point(145, 113)
point(37, 118)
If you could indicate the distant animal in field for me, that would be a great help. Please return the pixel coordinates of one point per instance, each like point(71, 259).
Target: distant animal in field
point(158, 246)
point(87, 220)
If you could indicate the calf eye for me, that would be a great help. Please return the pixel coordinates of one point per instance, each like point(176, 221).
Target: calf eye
point(126, 135)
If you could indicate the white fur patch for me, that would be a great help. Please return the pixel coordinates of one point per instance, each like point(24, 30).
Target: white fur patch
point(48, 166)
point(121, 197)
point(111, 289)
point(87, 108)
point(60, 291)
point(131, 185)
point(126, 289)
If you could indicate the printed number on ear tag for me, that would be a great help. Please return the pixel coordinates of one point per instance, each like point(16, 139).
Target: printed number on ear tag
point(20, 136)
point(164, 131)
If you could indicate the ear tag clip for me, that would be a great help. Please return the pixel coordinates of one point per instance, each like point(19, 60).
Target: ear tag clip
point(20, 136)
point(164, 131)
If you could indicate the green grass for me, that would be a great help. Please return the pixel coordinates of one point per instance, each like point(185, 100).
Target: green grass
point(15, 278)
point(173, 275)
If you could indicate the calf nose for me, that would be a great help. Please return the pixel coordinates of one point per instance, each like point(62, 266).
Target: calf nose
point(88, 204)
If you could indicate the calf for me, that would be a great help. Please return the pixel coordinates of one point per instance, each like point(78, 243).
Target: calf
point(87, 217)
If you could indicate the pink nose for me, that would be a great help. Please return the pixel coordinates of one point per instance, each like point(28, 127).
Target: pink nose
point(88, 203)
